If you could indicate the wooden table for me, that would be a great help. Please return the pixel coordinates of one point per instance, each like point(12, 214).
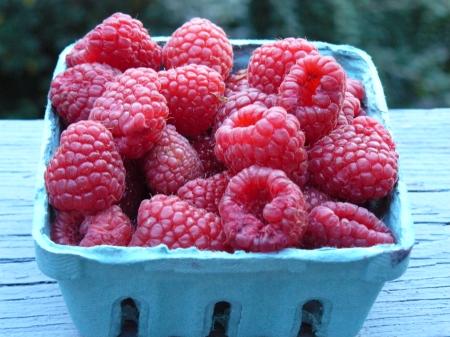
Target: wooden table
point(418, 304)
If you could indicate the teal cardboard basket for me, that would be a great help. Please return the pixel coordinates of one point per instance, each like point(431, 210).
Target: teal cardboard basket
point(189, 293)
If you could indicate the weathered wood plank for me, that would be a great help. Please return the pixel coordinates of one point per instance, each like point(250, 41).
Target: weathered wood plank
point(416, 304)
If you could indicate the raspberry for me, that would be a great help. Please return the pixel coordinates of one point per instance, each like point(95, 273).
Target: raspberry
point(350, 109)
point(272, 61)
point(204, 145)
point(65, 228)
point(177, 224)
point(199, 41)
point(119, 41)
point(74, 91)
point(313, 90)
point(265, 137)
point(343, 225)
point(194, 94)
point(135, 189)
point(171, 163)
point(205, 193)
point(86, 173)
point(133, 110)
point(356, 88)
point(262, 211)
point(314, 197)
point(356, 162)
point(108, 227)
point(241, 99)
point(236, 82)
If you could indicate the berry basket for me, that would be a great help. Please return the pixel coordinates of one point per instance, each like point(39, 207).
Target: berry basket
point(190, 293)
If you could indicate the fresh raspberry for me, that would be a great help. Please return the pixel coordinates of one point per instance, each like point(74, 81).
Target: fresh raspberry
point(194, 93)
point(343, 225)
point(356, 88)
point(65, 228)
point(356, 162)
point(241, 99)
point(171, 163)
point(350, 109)
point(236, 82)
point(86, 173)
point(272, 61)
point(135, 189)
point(314, 197)
point(199, 41)
point(204, 145)
point(77, 53)
point(133, 110)
point(262, 211)
point(74, 91)
point(119, 41)
point(313, 90)
point(177, 224)
point(205, 193)
point(108, 227)
point(255, 135)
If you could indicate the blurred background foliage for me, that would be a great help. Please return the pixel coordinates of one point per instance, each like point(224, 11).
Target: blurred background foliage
point(409, 40)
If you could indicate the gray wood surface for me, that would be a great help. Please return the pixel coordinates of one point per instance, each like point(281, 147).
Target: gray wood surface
point(417, 304)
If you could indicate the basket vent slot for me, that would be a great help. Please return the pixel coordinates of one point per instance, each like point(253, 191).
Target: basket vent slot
point(219, 320)
point(312, 312)
point(129, 318)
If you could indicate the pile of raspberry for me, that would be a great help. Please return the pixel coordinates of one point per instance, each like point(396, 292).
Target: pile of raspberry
point(165, 145)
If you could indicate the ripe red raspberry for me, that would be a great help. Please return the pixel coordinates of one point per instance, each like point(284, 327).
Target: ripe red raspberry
point(194, 93)
point(74, 91)
point(177, 224)
point(350, 109)
point(241, 99)
point(171, 163)
point(343, 225)
point(86, 173)
point(108, 227)
point(204, 145)
point(135, 189)
point(205, 193)
point(199, 41)
point(236, 82)
point(262, 211)
point(313, 90)
point(119, 41)
point(65, 228)
point(272, 61)
point(356, 162)
point(255, 135)
point(133, 110)
point(356, 88)
point(314, 197)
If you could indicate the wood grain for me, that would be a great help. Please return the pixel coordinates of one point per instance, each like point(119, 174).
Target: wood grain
point(417, 304)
